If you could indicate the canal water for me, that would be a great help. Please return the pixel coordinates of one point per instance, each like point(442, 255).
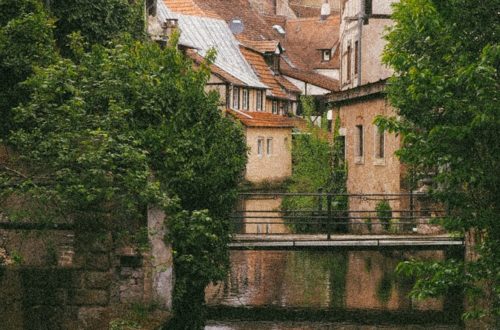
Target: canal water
point(344, 289)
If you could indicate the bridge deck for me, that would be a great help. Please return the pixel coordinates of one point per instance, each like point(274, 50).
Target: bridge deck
point(250, 241)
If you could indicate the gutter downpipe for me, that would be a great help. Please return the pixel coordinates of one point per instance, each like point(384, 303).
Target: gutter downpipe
point(361, 18)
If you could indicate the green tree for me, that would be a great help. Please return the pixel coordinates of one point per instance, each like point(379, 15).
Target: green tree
point(311, 151)
point(115, 129)
point(26, 42)
point(446, 56)
point(98, 22)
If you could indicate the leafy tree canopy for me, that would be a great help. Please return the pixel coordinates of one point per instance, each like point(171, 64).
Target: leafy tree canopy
point(98, 21)
point(26, 42)
point(446, 56)
point(96, 130)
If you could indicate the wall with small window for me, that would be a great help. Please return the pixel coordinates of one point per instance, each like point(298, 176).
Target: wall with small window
point(372, 165)
point(270, 157)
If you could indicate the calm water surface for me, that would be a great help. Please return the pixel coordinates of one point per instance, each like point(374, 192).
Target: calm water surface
point(352, 283)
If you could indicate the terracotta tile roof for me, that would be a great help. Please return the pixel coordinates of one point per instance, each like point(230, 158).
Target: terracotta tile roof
point(265, 74)
point(310, 77)
point(275, 20)
point(305, 11)
point(189, 7)
point(306, 37)
point(256, 28)
point(262, 46)
point(287, 85)
point(262, 119)
point(198, 59)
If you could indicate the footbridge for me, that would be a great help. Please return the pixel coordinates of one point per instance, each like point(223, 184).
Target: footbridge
point(296, 221)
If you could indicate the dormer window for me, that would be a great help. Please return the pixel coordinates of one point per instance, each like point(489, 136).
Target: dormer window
point(273, 61)
point(326, 55)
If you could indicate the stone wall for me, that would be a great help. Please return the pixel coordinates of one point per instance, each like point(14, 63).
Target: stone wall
point(369, 174)
point(75, 279)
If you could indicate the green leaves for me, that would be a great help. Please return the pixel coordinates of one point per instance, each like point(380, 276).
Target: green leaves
point(446, 91)
point(26, 42)
point(99, 129)
point(99, 22)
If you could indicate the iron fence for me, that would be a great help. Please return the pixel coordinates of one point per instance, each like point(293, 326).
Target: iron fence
point(331, 213)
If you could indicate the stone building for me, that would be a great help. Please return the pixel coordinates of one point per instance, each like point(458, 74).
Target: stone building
point(373, 167)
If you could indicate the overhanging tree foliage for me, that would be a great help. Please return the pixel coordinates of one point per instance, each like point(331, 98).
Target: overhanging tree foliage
point(98, 22)
point(118, 128)
point(26, 42)
point(446, 56)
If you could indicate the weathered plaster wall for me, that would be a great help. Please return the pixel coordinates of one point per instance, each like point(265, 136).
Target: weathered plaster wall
point(278, 165)
point(372, 46)
point(372, 42)
point(368, 174)
point(334, 4)
point(331, 73)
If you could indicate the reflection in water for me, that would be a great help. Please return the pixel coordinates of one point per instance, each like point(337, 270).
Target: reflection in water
point(316, 326)
point(353, 280)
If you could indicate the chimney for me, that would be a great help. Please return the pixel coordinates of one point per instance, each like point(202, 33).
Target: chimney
point(169, 26)
point(325, 10)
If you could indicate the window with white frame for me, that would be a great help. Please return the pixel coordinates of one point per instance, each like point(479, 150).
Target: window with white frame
point(269, 146)
point(379, 143)
point(326, 54)
point(260, 146)
point(259, 100)
point(275, 107)
point(236, 98)
point(246, 100)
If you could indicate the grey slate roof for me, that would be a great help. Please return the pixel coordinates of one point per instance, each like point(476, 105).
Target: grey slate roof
point(203, 34)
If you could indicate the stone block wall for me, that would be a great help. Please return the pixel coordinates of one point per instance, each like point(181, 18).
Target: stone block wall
point(70, 279)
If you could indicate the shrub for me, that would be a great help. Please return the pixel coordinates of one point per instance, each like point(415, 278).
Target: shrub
point(384, 213)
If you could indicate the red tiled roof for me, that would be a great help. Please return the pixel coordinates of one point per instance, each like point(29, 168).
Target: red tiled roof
point(262, 119)
point(266, 75)
point(310, 77)
point(305, 11)
point(262, 46)
point(255, 27)
point(188, 7)
point(306, 37)
point(287, 84)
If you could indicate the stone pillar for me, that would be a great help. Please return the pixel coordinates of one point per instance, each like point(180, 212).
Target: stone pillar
point(161, 259)
point(92, 277)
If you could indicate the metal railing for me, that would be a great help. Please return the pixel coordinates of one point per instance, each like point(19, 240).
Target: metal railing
point(331, 213)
